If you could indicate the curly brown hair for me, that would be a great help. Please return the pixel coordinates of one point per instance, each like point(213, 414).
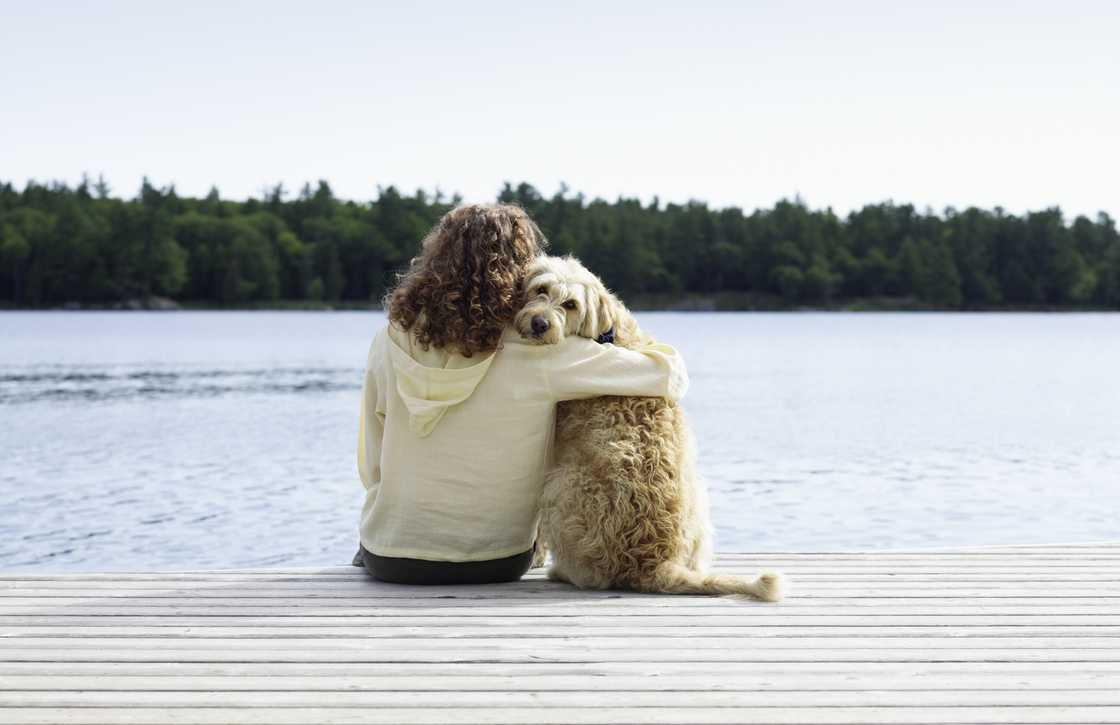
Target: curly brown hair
point(465, 286)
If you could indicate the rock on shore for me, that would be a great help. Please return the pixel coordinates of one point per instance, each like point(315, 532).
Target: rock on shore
point(159, 304)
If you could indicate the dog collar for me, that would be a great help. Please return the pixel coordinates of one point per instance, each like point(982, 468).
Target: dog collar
point(606, 337)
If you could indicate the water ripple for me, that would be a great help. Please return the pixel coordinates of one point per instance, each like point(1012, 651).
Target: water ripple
point(117, 384)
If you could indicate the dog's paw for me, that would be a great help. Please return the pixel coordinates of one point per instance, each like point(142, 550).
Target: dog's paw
point(556, 575)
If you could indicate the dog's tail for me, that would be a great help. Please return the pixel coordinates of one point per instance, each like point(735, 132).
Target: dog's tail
point(678, 579)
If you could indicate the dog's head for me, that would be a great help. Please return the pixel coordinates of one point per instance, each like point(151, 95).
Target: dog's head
point(562, 297)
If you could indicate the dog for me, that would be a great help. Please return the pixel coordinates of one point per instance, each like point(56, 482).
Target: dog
point(622, 506)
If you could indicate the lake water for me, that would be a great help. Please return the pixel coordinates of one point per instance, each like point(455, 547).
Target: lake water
point(181, 440)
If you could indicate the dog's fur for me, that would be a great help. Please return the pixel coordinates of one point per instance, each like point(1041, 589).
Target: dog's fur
point(622, 505)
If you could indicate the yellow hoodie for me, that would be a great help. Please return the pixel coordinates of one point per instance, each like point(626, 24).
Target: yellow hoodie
point(452, 450)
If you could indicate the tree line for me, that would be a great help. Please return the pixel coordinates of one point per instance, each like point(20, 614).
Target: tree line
point(62, 244)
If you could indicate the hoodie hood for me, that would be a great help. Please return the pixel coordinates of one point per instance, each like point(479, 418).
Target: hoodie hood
point(429, 392)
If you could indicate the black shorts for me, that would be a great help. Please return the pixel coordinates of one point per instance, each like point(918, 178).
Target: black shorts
point(420, 571)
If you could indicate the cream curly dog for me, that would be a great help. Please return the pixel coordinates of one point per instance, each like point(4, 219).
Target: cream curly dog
point(622, 506)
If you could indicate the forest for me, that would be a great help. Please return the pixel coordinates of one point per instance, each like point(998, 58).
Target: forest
point(83, 246)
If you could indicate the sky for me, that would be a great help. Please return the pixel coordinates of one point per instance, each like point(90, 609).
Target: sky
point(1015, 104)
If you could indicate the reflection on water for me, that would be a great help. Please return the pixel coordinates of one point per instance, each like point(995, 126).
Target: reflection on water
point(146, 440)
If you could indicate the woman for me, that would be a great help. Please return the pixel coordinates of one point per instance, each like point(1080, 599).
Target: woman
point(458, 410)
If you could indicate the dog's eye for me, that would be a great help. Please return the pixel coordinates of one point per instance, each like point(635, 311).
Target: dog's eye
point(542, 290)
point(570, 305)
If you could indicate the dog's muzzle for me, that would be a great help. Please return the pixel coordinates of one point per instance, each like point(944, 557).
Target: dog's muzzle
point(539, 325)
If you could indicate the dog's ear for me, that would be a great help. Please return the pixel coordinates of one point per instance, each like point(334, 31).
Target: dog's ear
point(599, 315)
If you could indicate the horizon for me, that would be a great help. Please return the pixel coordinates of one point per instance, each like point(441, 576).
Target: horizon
point(1004, 105)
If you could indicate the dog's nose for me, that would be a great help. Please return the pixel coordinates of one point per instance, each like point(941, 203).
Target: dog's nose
point(540, 325)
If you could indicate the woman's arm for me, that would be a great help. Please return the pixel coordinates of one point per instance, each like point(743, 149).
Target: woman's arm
point(580, 368)
point(371, 426)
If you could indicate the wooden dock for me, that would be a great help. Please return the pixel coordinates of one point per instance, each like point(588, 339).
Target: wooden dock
point(997, 635)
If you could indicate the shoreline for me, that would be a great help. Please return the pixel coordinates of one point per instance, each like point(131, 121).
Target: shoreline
point(685, 304)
